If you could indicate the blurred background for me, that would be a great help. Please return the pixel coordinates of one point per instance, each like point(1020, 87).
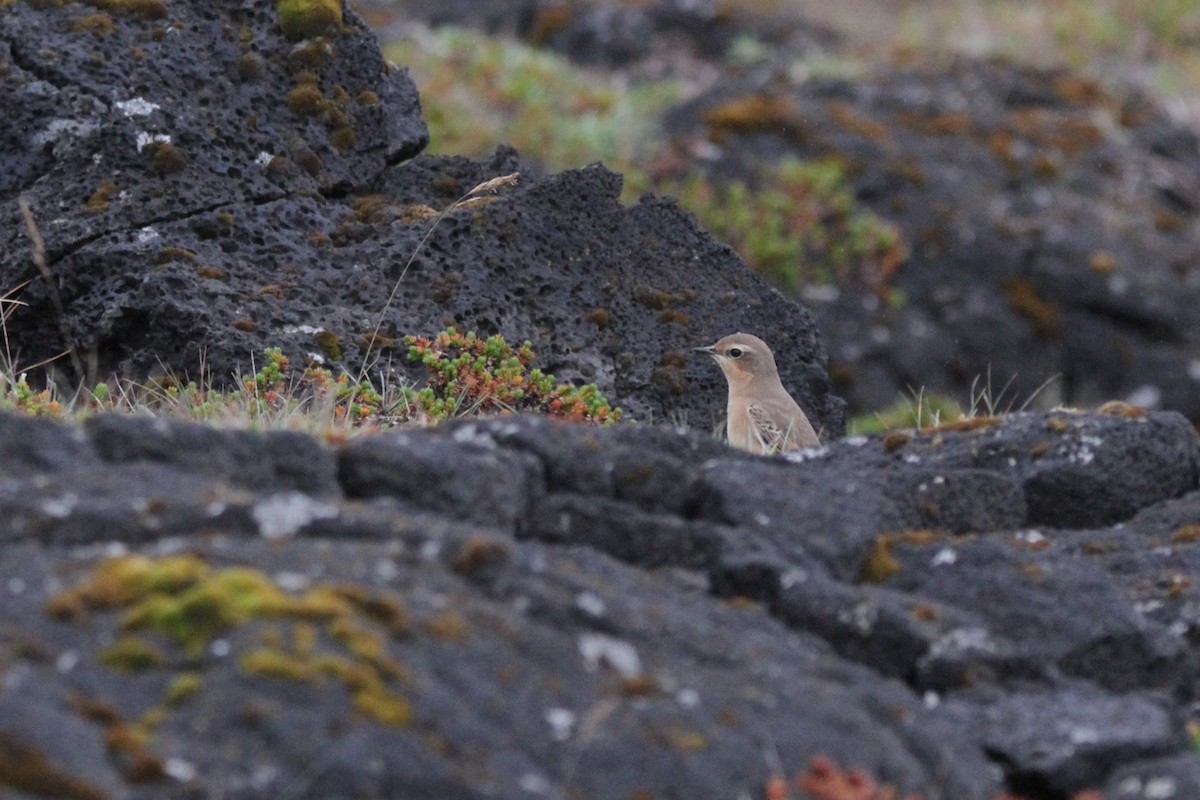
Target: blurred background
point(988, 205)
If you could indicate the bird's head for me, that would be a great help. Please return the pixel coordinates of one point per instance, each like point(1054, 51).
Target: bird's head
point(742, 357)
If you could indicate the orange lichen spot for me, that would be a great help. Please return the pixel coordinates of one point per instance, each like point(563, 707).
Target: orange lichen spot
point(1004, 148)
point(755, 112)
point(825, 780)
point(1047, 163)
point(685, 740)
point(1079, 91)
point(600, 317)
point(1040, 449)
point(924, 612)
point(127, 745)
point(918, 537)
point(448, 624)
point(942, 123)
point(1032, 570)
point(1186, 534)
point(1100, 548)
point(478, 553)
point(642, 685)
point(850, 118)
point(895, 440)
point(1102, 262)
point(245, 324)
point(1119, 408)
point(1043, 315)
point(1068, 133)
point(966, 424)
point(211, 273)
point(1169, 221)
point(776, 788)
point(376, 341)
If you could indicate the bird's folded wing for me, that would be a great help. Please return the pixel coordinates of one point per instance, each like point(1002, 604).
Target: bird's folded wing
point(769, 435)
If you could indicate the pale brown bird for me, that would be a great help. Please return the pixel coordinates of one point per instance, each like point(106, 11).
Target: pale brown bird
point(763, 417)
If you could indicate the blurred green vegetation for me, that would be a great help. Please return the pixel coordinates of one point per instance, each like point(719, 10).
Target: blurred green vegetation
point(793, 221)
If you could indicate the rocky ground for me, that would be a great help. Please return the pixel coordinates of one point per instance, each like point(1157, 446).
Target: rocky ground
point(1002, 607)
point(518, 607)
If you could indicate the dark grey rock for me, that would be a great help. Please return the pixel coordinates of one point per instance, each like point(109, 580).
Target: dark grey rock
point(448, 473)
point(1063, 741)
point(945, 653)
point(1073, 469)
point(276, 460)
point(1174, 776)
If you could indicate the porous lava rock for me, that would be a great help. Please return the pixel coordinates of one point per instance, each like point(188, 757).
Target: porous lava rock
point(212, 190)
point(595, 610)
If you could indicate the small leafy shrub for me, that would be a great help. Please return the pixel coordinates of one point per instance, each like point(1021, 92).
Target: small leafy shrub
point(473, 375)
point(17, 395)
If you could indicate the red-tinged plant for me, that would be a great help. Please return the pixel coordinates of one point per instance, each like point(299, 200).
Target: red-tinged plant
point(469, 374)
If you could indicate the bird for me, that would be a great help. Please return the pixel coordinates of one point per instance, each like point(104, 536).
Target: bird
point(763, 417)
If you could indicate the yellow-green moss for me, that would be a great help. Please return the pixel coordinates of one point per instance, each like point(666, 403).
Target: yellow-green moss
point(880, 565)
point(369, 692)
point(182, 687)
point(122, 581)
point(273, 663)
point(131, 654)
point(185, 599)
point(301, 19)
point(330, 344)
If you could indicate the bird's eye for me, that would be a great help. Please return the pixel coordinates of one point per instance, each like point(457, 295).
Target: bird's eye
point(735, 352)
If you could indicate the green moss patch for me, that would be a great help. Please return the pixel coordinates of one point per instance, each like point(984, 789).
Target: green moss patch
point(301, 19)
point(339, 633)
